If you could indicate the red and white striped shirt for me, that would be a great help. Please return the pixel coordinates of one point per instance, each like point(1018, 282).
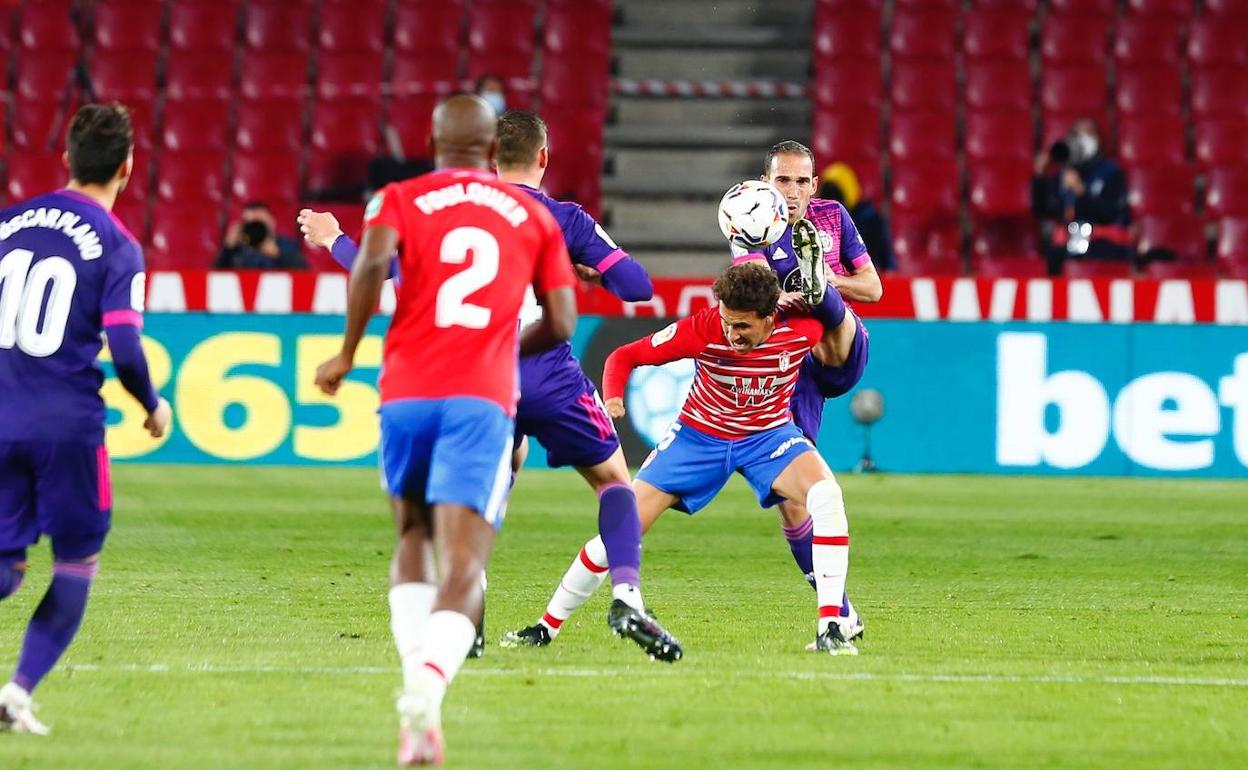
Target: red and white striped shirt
point(734, 395)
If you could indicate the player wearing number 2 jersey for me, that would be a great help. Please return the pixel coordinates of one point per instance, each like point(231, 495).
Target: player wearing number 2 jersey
point(68, 271)
point(469, 248)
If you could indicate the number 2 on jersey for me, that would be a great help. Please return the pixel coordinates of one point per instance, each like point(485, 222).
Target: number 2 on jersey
point(452, 309)
point(22, 291)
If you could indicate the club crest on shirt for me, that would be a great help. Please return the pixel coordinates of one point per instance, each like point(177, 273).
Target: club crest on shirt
point(825, 240)
point(663, 335)
point(786, 360)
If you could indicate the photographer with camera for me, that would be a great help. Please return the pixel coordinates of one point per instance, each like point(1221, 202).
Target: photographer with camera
point(253, 243)
point(1081, 196)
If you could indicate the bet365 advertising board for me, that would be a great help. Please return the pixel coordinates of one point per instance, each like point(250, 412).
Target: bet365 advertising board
point(1014, 397)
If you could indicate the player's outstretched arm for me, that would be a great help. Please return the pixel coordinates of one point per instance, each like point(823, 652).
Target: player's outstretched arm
point(671, 343)
point(363, 294)
point(557, 324)
point(320, 228)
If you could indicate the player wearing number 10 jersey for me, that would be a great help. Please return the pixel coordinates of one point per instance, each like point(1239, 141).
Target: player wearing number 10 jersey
point(469, 248)
point(68, 271)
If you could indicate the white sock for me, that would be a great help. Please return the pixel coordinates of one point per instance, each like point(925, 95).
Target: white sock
point(410, 604)
point(630, 595)
point(830, 550)
point(588, 571)
point(448, 638)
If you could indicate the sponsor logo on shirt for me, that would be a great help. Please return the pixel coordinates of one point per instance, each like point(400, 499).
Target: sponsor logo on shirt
point(663, 335)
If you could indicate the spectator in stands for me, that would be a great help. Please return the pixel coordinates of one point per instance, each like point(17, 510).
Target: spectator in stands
point(840, 183)
point(1082, 196)
point(253, 243)
point(492, 89)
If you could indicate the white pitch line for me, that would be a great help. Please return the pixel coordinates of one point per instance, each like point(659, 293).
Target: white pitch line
point(829, 676)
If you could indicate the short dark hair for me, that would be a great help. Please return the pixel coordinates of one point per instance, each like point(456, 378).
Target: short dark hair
point(749, 286)
point(787, 147)
point(99, 140)
point(521, 134)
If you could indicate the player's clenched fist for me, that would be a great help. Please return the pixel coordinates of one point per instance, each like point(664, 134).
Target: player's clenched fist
point(158, 421)
point(615, 408)
point(329, 374)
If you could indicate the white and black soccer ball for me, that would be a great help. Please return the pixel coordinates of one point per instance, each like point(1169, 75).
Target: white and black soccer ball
point(753, 214)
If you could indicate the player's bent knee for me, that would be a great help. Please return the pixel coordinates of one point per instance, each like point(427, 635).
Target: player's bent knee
point(827, 508)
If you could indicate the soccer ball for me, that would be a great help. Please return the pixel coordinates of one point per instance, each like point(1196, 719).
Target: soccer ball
point(655, 395)
point(753, 214)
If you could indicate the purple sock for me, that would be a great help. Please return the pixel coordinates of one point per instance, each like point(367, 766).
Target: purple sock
point(55, 622)
point(801, 539)
point(620, 530)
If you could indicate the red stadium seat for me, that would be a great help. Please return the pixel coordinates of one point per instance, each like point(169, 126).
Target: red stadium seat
point(276, 27)
point(349, 75)
point(143, 121)
point(1083, 7)
point(349, 26)
point(1149, 90)
point(1218, 42)
point(412, 118)
point(1000, 134)
point(133, 215)
point(1222, 142)
point(344, 137)
point(849, 83)
point(267, 127)
point(124, 76)
point(919, 84)
point(197, 76)
point(1004, 238)
point(1096, 268)
point(851, 31)
point(269, 177)
point(928, 245)
point(1226, 8)
point(1227, 192)
point(998, 85)
point(513, 69)
point(1170, 10)
point(44, 76)
point(1000, 188)
point(1219, 93)
point(35, 173)
point(1152, 140)
point(1074, 39)
point(428, 26)
point(1010, 267)
point(843, 133)
point(1183, 234)
point(579, 31)
point(926, 187)
point(127, 26)
point(39, 125)
point(184, 237)
point(274, 76)
point(996, 34)
point(501, 30)
point(1147, 40)
point(195, 126)
point(192, 176)
point(1161, 190)
point(922, 135)
point(48, 26)
point(1073, 88)
point(929, 5)
point(202, 27)
point(1029, 6)
point(575, 171)
point(922, 34)
point(416, 72)
point(579, 81)
point(1163, 271)
point(1232, 247)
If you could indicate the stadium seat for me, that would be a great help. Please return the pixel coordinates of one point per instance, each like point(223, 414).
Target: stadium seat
point(1011, 267)
point(1149, 90)
point(1096, 268)
point(1004, 84)
point(192, 176)
point(575, 172)
point(1073, 88)
point(143, 121)
point(923, 84)
point(1182, 234)
point(273, 28)
point(1147, 40)
point(923, 34)
point(1219, 93)
point(1029, 6)
point(1085, 8)
point(428, 26)
point(851, 31)
point(272, 177)
point(1170, 10)
point(349, 75)
point(202, 27)
point(927, 245)
point(926, 187)
point(501, 29)
point(267, 127)
point(196, 77)
point(996, 34)
point(274, 76)
point(126, 26)
point(344, 137)
point(417, 72)
point(133, 215)
point(576, 81)
point(999, 134)
point(1011, 238)
point(1164, 190)
point(124, 76)
point(350, 26)
point(922, 135)
point(183, 237)
point(849, 84)
point(1000, 187)
point(928, 5)
point(38, 125)
point(1232, 246)
point(1227, 191)
point(48, 26)
point(580, 31)
point(412, 118)
point(44, 76)
point(34, 173)
point(195, 126)
point(840, 133)
point(1227, 9)
point(1218, 42)
point(1080, 39)
point(511, 68)
point(1222, 142)
point(1182, 271)
point(1151, 140)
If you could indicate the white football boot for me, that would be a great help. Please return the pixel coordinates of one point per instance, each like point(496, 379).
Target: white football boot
point(420, 730)
point(17, 711)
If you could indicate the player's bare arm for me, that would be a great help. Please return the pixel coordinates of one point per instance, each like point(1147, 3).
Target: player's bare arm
point(369, 272)
point(863, 285)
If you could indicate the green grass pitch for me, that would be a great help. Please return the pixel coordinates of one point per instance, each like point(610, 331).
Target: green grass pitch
point(240, 621)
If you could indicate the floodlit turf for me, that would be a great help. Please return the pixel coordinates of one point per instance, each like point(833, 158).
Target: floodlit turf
point(240, 621)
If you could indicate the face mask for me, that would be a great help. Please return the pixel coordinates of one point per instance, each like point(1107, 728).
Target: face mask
point(1083, 147)
point(495, 99)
